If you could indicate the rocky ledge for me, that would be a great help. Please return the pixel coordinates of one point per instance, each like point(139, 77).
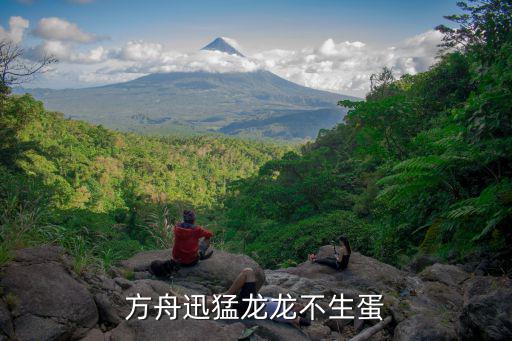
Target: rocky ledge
point(43, 299)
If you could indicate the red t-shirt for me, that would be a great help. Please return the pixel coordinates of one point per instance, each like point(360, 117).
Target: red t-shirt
point(186, 243)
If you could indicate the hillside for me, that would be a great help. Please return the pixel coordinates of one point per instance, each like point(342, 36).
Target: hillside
point(104, 194)
point(422, 166)
point(199, 101)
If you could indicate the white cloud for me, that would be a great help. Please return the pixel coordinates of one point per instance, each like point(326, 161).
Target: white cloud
point(17, 27)
point(62, 30)
point(342, 67)
point(139, 51)
point(345, 67)
point(152, 57)
point(64, 52)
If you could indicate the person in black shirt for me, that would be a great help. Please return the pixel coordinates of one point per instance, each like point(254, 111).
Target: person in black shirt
point(339, 261)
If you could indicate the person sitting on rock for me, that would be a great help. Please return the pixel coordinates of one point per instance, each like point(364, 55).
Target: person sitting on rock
point(336, 262)
point(191, 242)
point(245, 284)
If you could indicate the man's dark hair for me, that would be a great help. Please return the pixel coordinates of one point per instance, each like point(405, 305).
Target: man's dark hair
point(189, 216)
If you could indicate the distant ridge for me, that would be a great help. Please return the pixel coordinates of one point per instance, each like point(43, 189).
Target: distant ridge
point(220, 44)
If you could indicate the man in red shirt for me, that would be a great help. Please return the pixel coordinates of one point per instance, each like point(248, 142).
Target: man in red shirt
point(190, 241)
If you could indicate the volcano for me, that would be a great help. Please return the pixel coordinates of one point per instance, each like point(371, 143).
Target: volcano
point(221, 44)
point(255, 104)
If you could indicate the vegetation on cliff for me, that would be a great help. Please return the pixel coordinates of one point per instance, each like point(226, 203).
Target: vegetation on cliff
point(423, 165)
point(103, 194)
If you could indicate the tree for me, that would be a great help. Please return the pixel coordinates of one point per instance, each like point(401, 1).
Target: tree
point(380, 84)
point(15, 69)
point(484, 27)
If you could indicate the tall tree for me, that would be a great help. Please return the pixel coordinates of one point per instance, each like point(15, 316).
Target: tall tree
point(15, 69)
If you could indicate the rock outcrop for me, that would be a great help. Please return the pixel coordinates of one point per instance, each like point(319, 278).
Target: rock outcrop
point(214, 273)
point(487, 310)
point(45, 299)
point(42, 298)
point(151, 329)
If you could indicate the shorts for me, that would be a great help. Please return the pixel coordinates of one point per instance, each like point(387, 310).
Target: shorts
point(246, 291)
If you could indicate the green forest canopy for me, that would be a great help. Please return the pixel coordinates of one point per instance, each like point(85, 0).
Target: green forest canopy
point(422, 166)
point(106, 194)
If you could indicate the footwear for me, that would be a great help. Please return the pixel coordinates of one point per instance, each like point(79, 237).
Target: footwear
point(304, 322)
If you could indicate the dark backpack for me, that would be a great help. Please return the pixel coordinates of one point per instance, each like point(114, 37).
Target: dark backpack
point(163, 269)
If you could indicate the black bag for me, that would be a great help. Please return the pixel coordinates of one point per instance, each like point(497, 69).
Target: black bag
point(163, 269)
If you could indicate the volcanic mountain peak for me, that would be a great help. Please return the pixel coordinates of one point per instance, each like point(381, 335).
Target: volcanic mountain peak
point(221, 44)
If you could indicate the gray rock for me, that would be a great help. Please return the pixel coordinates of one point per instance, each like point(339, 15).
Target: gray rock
point(283, 281)
point(148, 288)
point(47, 289)
point(34, 328)
point(487, 311)
point(142, 260)
point(165, 329)
point(51, 302)
point(421, 262)
point(6, 327)
point(99, 281)
point(318, 332)
point(274, 331)
point(424, 327)
point(95, 335)
point(364, 273)
point(183, 286)
point(273, 291)
point(107, 313)
point(442, 296)
point(482, 285)
point(41, 254)
point(219, 270)
point(123, 282)
point(448, 274)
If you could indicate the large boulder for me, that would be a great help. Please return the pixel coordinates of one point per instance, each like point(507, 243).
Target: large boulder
point(448, 274)
point(420, 262)
point(364, 273)
point(6, 327)
point(96, 335)
point(424, 327)
point(47, 302)
point(273, 331)
point(142, 260)
point(165, 329)
point(487, 311)
point(216, 272)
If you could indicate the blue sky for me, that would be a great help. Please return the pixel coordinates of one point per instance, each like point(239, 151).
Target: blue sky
point(276, 23)
point(258, 26)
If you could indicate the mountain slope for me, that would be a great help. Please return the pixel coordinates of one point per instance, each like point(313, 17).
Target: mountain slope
point(245, 103)
point(199, 101)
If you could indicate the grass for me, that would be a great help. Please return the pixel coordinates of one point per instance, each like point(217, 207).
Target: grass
point(128, 274)
point(5, 254)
